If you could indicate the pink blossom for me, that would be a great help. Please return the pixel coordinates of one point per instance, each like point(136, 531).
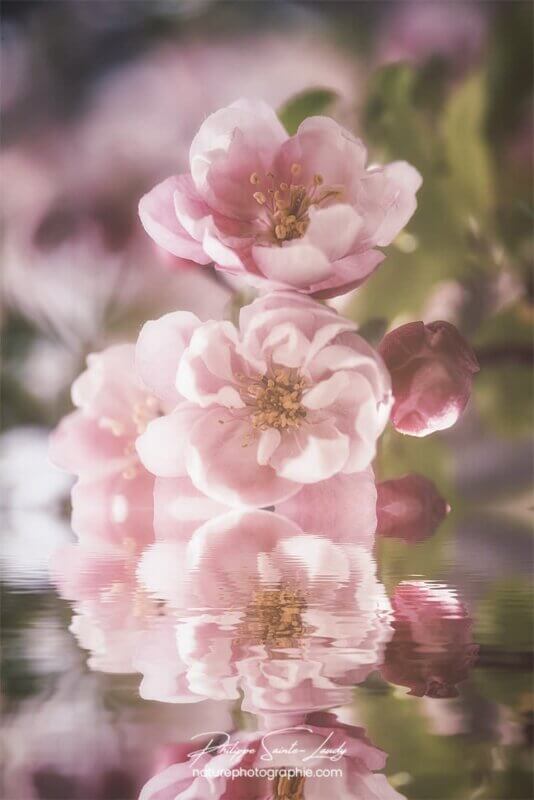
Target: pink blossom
point(113, 497)
point(432, 368)
point(417, 32)
point(269, 754)
point(290, 618)
point(292, 398)
point(432, 648)
point(409, 508)
point(301, 212)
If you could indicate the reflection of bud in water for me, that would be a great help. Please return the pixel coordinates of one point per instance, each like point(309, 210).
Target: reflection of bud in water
point(409, 508)
point(432, 369)
point(273, 765)
point(432, 648)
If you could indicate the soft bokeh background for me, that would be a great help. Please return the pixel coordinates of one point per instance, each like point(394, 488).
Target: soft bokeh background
point(100, 101)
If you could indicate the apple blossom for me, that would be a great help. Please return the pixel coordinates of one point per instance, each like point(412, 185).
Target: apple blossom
point(292, 398)
point(432, 368)
point(301, 212)
point(113, 497)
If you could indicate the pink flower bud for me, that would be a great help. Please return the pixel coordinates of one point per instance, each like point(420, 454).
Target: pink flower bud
point(409, 508)
point(432, 369)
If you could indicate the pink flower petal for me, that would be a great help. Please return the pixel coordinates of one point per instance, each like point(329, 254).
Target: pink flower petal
point(159, 348)
point(393, 188)
point(224, 466)
point(333, 230)
point(342, 507)
point(261, 130)
point(311, 454)
point(208, 370)
point(323, 147)
point(325, 392)
point(81, 446)
point(162, 448)
point(180, 508)
point(296, 264)
point(158, 216)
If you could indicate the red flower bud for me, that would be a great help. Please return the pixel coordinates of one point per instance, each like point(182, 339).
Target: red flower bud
point(409, 508)
point(432, 369)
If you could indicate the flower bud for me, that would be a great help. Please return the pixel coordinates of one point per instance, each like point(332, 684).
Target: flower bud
point(409, 508)
point(432, 369)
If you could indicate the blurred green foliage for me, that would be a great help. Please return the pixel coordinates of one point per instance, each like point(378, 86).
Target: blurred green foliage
point(306, 104)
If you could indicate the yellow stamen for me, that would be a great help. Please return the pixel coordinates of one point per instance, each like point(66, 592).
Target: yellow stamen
point(275, 399)
point(289, 788)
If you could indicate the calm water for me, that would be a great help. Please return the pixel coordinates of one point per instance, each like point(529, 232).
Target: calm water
point(117, 658)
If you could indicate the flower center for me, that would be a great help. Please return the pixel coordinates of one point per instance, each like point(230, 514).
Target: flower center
point(287, 204)
point(288, 788)
point(276, 400)
point(273, 618)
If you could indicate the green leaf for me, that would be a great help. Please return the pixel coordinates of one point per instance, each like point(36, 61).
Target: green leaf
point(470, 179)
point(306, 104)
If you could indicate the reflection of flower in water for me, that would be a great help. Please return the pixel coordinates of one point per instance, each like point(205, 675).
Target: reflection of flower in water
point(288, 617)
point(278, 764)
point(68, 745)
point(432, 648)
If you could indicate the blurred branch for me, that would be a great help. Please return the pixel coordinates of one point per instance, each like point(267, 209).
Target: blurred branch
point(496, 355)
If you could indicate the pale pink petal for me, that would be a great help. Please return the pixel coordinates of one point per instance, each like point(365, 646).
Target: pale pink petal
point(390, 192)
point(286, 345)
point(269, 441)
point(325, 392)
point(322, 147)
point(158, 216)
point(191, 211)
point(159, 349)
point(109, 389)
point(311, 454)
point(180, 508)
point(257, 320)
point(333, 230)
point(342, 507)
point(223, 463)
point(81, 446)
point(261, 130)
point(226, 257)
point(348, 273)
point(163, 446)
point(208, 370)
point(296, 264)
